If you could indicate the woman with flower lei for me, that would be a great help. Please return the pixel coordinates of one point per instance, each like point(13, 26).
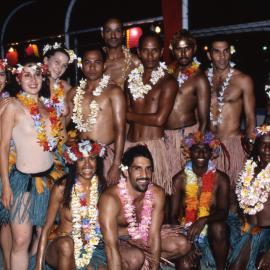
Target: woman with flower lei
point(252, 190)
point(34, 128)
point(201, 201)
point(132, 212)
point(75, 243)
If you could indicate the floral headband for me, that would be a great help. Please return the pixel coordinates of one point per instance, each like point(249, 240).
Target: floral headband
point(3, 63)
point(198, 137)
point(82, 149)
point(37, 66)
point(260, 131)
point(56, 45)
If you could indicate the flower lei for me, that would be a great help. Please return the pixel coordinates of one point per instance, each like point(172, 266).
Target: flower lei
point(137, 230)
point(135, 83)
point(252, 192)
point(85, 228)
point(225, 84)
point(57, 97)
point(183, 76)
point(198, 205)
point(4, 95)
point(127, 56)
point(77, 115)
point(48, 144)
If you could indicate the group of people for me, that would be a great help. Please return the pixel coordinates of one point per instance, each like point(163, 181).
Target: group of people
point(157, 170)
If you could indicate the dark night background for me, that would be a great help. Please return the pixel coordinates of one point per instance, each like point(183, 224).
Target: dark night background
point(46, 18)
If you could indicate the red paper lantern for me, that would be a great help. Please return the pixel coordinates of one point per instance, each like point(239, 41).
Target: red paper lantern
point(133, 36)
point(29, 50)
point(12, 57)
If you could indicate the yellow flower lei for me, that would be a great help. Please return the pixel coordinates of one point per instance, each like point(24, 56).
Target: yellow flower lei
point(83, 247)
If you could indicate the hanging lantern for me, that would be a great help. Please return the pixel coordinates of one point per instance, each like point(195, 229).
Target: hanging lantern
point(12, 56)
point(32, 49)
point(133, 36)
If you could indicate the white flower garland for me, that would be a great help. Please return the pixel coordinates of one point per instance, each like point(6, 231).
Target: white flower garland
point(94, 108)
point(82, 232)
point(135, 83)
point(253, 193)
point(225, 84)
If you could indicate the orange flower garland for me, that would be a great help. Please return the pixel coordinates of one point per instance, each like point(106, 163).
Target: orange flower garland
point(198, 206)
point(57, 97)
point(48, 144)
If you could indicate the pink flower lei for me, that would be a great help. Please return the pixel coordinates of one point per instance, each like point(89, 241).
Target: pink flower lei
point(137, 230)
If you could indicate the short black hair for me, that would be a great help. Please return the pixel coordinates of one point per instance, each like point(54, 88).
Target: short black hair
point(218, 38)
point(112, 19)
point(150, 34)
point(95, 47)
point(183, 34)
point(137, 151)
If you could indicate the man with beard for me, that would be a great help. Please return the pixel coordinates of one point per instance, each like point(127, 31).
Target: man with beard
point(252, 250)
point(191, 108)
point(120, 61)
point(99, 110)
point(131, 243)
point(150, 93)
point(200, 202)
point(231, 96)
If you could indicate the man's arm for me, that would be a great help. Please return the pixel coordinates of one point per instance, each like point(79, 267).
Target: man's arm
point(249, 104)
point(56, 198)
point(177, 199)
point(118, 103)
point(155, 229)
point(203, 97)
point(108, 212)
point(220, 212)
point(165, 106)
point(69, 102)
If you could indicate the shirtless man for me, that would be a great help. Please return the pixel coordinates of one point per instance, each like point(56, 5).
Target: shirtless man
point(203, 215)
point(193, 96)
point(119, 61)
point(69, 196)
point(231, 96)
point(151, 92)
point(119, 207)
point(252, 250)
point(99, 110)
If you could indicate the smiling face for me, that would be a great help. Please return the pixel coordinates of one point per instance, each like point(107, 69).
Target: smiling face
point(113, 33)
point(30, 79)
point(2, 79)
point(93, 65)
point(200, 155)
point(86, 167)
point(140, 173)
point(57, 64)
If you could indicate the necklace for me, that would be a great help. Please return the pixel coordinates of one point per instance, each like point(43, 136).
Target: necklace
point(198, 205)
point(219, 120)
point(184, 75)
point(137, 230)
point(127, 62)
point(135, 83)
point(252, 192)
point(94, 108)
point(57, 97)
point(85, 228)
point(47, 143)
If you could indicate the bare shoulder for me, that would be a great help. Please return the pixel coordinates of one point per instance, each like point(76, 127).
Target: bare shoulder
point(71, 93)
point(222, 178)
point(110, 196)
point(200, 75)
point(66, 85)
point(12, 105)
point(58, 191)
point(179, 179)
point(135, 60)
point(159, 193)
point(242, 78)
point(114, 90)
point(169, 81)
